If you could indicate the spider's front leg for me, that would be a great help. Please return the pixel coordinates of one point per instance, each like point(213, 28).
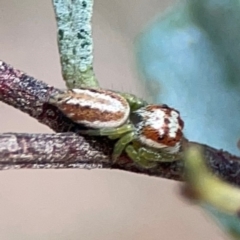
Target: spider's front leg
point(138, 158)
point(157, 156)
point(121, 144)
point(147, 158)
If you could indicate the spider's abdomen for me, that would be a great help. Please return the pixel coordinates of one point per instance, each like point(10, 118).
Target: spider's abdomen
point(159, 127)
point(94, 108)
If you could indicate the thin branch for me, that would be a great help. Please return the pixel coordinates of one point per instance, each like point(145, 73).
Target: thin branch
point(70, 150)
point(31, 96)
point(75, 42)
point(61, 150)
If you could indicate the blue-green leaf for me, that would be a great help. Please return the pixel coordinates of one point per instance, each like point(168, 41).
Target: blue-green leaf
point(190, 58)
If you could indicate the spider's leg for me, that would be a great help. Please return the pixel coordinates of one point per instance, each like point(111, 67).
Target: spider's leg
point(138, 158)
point(110, 132)
point(121, 144)
point(153, 156)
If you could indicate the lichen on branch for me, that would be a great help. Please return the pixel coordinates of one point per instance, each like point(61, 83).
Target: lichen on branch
point(75, 42)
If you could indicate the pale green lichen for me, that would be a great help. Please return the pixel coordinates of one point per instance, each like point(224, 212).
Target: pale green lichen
point(75, 42)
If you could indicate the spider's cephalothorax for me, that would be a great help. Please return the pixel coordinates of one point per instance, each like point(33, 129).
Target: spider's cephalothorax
point(158, 132)
point(159, 127)
point(148, 133)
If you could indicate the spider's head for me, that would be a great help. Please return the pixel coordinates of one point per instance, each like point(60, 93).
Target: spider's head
point(159, 127)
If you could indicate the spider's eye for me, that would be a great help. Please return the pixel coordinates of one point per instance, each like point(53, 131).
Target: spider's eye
point(160, 138)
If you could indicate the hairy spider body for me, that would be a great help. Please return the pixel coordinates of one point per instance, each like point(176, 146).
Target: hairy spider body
point(148, 133)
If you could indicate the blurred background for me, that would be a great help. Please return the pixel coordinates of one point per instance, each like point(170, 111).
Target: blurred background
point(80, 204)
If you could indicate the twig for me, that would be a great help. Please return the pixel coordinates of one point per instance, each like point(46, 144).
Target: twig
point(62, 150)
point(75, 42)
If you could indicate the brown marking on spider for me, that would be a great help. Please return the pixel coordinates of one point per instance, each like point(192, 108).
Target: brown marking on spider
point(95, 108)
point(160, 127)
